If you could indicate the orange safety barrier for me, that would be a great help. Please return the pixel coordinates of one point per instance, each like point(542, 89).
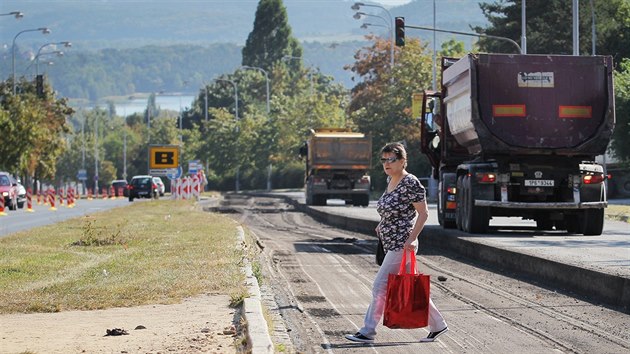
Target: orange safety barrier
point(2, 206)
point(70, 197)
point(29, 201)
point(51, 198)
point(60, 195)
point(89, 194)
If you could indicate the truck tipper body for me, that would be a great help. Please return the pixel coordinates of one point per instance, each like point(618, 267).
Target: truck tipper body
point(517, 135)
point(337, 162)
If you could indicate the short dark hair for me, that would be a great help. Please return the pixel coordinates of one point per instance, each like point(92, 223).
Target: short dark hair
point(396, 148)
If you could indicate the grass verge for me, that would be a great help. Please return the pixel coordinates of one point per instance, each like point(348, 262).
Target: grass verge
point(146, 253)
point(618, 213)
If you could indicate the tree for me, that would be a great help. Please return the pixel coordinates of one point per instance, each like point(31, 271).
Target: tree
point(549, 26)
point(621, 135)
point(33, 129)
point(381, 100)
point(271, 37)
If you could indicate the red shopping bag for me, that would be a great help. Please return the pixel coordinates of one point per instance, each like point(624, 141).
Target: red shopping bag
point(407, 300)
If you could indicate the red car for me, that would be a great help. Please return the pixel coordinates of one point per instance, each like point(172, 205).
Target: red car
point(9, 190)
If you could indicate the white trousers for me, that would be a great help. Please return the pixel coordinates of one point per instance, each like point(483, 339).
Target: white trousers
point(391, 265)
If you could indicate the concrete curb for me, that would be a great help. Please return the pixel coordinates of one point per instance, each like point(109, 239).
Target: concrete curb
point(257, 330)
point(593, 286)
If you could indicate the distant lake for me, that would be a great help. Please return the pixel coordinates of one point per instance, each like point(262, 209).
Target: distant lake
point(138, 105)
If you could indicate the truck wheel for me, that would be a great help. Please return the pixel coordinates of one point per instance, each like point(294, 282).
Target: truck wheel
point(365, 200)
point(593, 220)
point(572, 223)
point(477, 218)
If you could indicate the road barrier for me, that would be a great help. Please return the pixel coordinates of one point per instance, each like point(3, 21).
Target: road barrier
point(51, 198)
point(29, 201)
point(2, 213)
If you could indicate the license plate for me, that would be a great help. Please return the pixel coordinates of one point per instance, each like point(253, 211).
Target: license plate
point(539, 183)
point(143, 193)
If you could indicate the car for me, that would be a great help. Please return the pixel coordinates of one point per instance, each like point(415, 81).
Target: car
point(142, 186)
point(21, 197)
point(120, 188)
point(160, 184)
point(9, 190)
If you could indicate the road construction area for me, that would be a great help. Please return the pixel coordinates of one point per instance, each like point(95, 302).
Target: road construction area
point(317, 279)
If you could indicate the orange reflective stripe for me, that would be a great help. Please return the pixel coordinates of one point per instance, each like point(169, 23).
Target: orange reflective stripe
point(509, 110)
point(575, 112)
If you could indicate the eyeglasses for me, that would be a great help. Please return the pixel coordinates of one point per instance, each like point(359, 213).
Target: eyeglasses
point(389, 159)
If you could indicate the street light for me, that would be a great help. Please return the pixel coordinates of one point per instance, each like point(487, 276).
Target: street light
point(66, 44)
point(266, 80)
point(17, 14)
point(267, 85)
point(58, 53)
point(310, 71)
point(237, 184)
point(44, 30)
point(357, 7)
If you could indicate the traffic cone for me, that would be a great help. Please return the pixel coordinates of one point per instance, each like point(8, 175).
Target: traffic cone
point(29, 201)
point(70, 197)
point(89, 194)
point(60, 195)
point(51, 198)
point(2, 213)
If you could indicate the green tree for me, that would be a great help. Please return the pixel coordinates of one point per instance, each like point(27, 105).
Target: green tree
point(33, 129)
point(549, 26)
point(271, 37)
point(381, 100)
point(621, 135)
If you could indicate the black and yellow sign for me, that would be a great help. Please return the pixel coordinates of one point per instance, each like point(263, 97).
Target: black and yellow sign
point(163, 156)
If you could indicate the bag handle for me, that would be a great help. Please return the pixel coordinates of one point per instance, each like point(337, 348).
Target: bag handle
point(403, 262)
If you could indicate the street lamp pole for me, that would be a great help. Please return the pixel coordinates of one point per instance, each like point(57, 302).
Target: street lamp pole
point(266, 80)
point(44, 30)
point(357, 6)
point(268, 109)
point(66, 44)
point(237, 183)
point(56, 52)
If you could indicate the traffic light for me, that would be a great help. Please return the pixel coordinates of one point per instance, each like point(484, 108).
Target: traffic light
point(400, 31)
point(39, 85)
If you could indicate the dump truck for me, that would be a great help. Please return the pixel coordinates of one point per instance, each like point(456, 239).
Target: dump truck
point(517, 136)
point(337, 165)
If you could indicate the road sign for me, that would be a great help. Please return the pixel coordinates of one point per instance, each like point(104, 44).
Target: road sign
point(194, 166)
point(163, 156)
point(174, 173)
point(82, 175)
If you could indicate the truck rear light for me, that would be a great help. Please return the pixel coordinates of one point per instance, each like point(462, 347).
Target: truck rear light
point(451, 205)
point(593, 179)
point(451, 190)
point(575, 112)
point(486, 177)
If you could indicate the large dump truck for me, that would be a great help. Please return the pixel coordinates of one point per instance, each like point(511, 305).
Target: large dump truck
point(337, 162)
point(517, 135)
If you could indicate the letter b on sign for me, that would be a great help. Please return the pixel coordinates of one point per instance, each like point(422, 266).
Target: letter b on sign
point(164, 158)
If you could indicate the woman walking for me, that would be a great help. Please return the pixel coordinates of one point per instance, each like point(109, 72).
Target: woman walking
point(403, 210)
